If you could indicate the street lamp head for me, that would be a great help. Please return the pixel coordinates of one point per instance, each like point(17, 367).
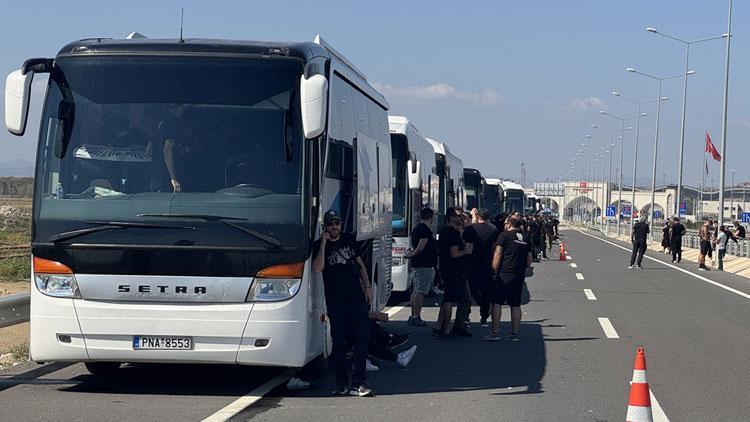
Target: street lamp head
point(602, 112)
point(588, 136)
point(664, 98)
point(690, 72)
point(630, 69)
point(628, 128)
point(652, 30)
point(644, 114)
point(724, 35)
point(615, 93)
point(595, 126)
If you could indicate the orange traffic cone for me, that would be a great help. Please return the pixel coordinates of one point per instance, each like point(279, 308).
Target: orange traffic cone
point(639, 403)
point(562, 251)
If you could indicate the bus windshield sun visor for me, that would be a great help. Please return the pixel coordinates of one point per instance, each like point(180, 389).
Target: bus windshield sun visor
point(110, 225)
point(270, 240)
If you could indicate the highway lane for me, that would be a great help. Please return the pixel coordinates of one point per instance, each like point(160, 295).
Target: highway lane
point(564, 368)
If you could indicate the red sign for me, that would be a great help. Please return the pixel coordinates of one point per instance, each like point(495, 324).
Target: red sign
point(583, 184)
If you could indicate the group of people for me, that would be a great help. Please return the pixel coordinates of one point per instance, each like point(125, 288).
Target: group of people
point(712, 237)
point(475, 258)
point(471, 258)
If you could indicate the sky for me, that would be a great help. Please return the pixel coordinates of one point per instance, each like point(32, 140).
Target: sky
point(501, 82)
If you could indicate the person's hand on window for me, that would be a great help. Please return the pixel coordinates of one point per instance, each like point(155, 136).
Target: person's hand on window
point(176, 185)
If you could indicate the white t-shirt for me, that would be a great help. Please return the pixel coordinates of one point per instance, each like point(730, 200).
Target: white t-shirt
point(721, 241)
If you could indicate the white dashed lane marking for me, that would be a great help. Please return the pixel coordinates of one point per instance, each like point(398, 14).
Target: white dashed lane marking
point(609, 330)
point(579, 276)
point(589, 294)
point(573, 265)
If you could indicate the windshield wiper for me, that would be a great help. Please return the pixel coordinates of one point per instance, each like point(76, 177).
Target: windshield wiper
point(110, 225)
point(270, 240)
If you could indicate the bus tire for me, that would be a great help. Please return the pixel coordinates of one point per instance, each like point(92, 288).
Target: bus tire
point(102, 368)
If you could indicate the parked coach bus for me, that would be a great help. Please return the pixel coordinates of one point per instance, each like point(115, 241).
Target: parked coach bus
point(450, 172)
point(415, 187)
point(515, 198)
point(474, 185)
point(179, 187)
point(494, 198)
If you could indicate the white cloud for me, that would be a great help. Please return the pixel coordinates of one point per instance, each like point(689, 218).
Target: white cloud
point(586, 104)
point(440, 91)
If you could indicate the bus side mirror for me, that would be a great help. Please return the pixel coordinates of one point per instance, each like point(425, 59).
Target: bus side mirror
point(17, 93)
point(414, 176)
point(314, 103)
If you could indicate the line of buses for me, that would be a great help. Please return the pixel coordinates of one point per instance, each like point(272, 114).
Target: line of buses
point(181, 183)
point(427, 174)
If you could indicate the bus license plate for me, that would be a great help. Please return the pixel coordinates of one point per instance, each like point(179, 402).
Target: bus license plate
point(162, 343)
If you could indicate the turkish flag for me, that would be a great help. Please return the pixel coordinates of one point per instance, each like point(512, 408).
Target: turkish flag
point(710, 148)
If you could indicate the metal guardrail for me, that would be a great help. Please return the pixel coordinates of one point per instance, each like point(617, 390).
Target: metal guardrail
point(14, 309)
point(740, 249)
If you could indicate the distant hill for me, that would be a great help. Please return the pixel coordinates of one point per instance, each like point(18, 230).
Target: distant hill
point(17, 168)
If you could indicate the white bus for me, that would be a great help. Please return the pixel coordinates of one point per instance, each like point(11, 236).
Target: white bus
point(515, 197)
point(450, 172)
point(179, 187)
point(494, 198)
point(415, 187)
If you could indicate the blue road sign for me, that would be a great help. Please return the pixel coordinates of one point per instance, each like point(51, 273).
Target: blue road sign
point(626, 211)
point(657, 214)
point(683, 207)
point(746, 217)
point(611, 211)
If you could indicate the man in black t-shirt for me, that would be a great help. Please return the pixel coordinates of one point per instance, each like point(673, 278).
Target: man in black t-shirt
point(452, 251)
point(639, 239)
point(675, 240)
point(535, 237)
point(512, 256)
point(347, 291)
point(422, 259)
point(482, 235)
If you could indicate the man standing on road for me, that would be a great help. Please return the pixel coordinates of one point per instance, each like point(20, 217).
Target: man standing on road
point(639, 239)
point(482, 235)
point(511, 258)
point(675, 239)
point(347, 290)
point(721, 245)
point(452, 251)
point(423, 262)
point(705, 244)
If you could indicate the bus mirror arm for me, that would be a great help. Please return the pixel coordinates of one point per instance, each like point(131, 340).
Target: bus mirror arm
point(414, 176)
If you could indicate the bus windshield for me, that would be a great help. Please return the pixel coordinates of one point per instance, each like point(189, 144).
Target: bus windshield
point(514, 201)
point(400, 155)
point(146, 138)
point(492, 199)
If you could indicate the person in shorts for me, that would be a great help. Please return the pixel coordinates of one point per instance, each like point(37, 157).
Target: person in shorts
point(705, 244)
point(422, 265)
point(452, 251)
point(512, 256)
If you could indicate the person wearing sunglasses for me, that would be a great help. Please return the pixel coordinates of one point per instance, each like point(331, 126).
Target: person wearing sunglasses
point(347, 291)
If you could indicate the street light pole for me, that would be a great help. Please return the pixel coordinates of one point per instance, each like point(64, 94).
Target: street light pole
point(656, 138)
point(724, 120)
point(731, 189)
point(684, 106)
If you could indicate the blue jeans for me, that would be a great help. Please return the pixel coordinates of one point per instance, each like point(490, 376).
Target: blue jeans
point(349, 322)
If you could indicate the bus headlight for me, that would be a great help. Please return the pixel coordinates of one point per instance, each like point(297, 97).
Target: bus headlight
point(273, 290)
point(57, 285)
point(276, 283)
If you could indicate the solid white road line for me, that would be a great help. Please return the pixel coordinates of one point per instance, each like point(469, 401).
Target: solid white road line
point(735, 291)
point(250, 398)
point(589, 294)
point(573, 265)
point(579, 276)
point(656, 410)
point(609, 330)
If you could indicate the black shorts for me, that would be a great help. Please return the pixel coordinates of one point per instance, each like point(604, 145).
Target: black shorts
point(507, 289)
point(453, 289)
point(705, 247)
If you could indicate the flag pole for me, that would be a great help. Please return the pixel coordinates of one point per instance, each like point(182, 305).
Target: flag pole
point(724, 121)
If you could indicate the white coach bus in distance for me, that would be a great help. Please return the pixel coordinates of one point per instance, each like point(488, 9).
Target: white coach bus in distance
point(414, 174)
point(515, 197)
point(179, 187)
point(450, 172)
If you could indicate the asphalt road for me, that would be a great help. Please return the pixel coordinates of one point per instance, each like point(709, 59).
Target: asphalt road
point(565, 367)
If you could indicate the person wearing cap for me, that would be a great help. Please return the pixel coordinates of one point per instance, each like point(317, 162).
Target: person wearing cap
point(347, 291)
